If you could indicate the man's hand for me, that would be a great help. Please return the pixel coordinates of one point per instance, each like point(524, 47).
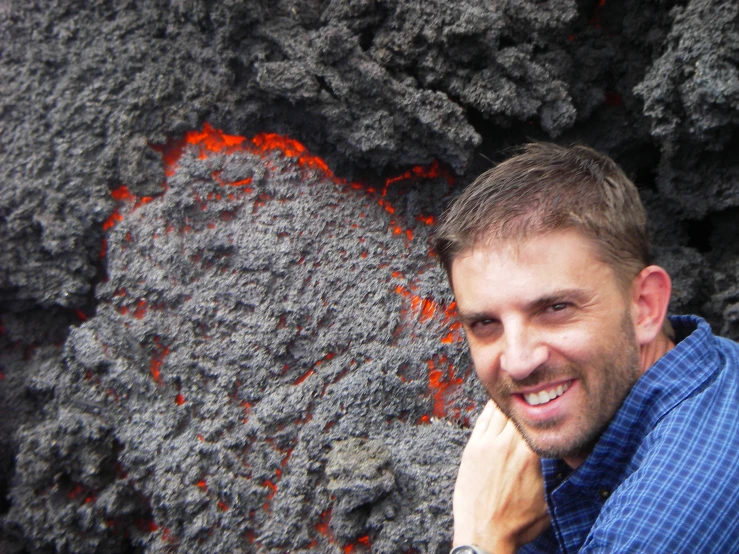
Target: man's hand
point(499, 500)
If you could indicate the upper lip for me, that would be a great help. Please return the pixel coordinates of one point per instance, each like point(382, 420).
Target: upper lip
point(546, 386)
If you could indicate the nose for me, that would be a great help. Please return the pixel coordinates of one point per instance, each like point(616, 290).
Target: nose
point(522, 352)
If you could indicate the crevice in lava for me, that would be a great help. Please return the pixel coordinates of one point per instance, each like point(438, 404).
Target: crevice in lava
point(498, 140)
point(7, 468)
point(700, 233)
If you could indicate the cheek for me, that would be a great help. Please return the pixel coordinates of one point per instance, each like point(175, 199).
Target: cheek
point(574, 345)
point(484, 360)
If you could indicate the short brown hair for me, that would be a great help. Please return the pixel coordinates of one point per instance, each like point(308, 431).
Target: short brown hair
point(547, 187)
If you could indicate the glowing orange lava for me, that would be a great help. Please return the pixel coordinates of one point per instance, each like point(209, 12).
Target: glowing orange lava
point(157, 360)
point(442, 382)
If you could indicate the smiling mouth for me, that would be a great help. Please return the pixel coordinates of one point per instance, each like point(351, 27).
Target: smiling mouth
point(547, 395)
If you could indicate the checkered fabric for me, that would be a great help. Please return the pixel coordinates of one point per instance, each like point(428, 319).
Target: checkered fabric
point(664, 476)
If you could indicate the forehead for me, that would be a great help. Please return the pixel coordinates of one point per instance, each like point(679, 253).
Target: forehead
point(528, 268)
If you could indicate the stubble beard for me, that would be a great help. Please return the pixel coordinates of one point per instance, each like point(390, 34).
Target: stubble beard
point(619, 368)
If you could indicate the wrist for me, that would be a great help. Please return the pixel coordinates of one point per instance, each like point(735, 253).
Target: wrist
point(477, 543)
point(475, 548)
point(468, 549)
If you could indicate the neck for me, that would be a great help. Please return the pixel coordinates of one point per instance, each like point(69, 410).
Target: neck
point(651, 352)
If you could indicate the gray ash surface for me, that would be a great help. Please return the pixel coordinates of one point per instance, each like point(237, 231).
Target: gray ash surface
point(112, 367)
point(208, 403)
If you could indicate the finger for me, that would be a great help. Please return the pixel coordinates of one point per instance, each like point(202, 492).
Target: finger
point(519, 444)
point(483, 421)
point(498, 421)
point(495, 419)
point(510, 428)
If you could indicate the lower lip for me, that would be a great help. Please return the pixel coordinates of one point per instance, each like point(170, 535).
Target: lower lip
point(552, 409)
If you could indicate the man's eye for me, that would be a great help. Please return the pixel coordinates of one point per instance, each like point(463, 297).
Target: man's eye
point(556, 308)
point(482, 323)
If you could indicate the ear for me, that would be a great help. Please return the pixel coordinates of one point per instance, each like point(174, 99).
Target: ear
point(650, 295)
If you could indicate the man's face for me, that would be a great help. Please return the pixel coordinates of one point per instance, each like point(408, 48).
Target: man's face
point(551, 335)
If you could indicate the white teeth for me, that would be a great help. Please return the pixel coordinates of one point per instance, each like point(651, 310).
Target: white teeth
point(542, 397)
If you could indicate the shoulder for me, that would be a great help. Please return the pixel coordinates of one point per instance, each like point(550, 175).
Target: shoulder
point(680, 491)
point(681, 498)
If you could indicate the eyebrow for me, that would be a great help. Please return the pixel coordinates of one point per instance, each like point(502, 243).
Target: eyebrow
point(574, 294)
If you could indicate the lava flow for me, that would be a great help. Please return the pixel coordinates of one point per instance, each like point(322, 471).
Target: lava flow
point(210, 141)
point(218, 198)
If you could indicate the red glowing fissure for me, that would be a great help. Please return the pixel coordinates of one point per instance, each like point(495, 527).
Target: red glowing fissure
point(213, 141)
point(155, 366)
point(442, 383)
point(595, 18)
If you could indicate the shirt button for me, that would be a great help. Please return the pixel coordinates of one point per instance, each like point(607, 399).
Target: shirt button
point(605, 493)
point(559, 476)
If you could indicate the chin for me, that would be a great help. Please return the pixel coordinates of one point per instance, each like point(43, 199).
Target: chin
point(554, 445)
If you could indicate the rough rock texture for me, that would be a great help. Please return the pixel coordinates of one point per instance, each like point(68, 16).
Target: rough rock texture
point(160, 390)
point(224, 367)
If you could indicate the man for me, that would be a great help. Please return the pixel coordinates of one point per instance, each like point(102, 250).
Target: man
point(611, 428)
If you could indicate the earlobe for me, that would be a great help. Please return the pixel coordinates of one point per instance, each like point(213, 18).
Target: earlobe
point(651, 291)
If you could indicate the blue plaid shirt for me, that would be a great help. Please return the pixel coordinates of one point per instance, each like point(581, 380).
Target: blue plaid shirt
point(664, 476)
